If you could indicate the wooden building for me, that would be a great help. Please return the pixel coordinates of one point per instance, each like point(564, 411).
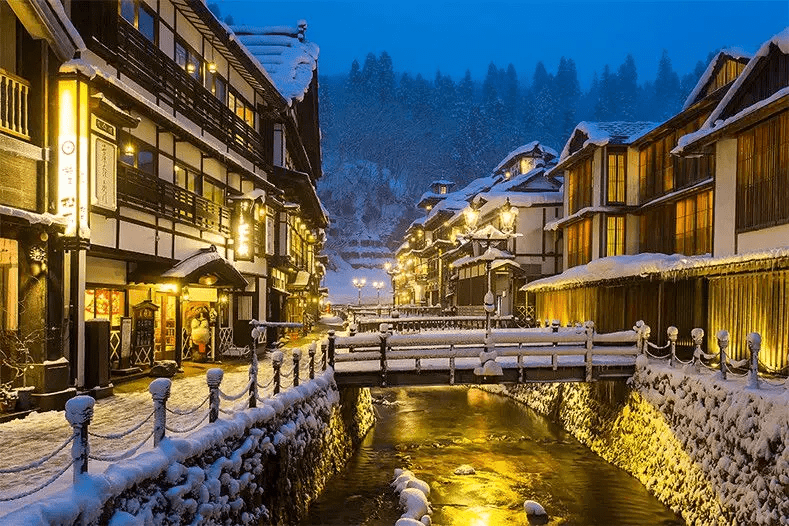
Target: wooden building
point(33, 334)
point(705, 245)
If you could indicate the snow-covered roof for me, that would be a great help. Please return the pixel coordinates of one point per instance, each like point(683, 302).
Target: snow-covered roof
point(644, 265)
point(47, 19)
point(714, 122)
point(288, 57)
point(534, 147)
point(603, 133)
point(201, 260)
point(705, 78)
point(442, 182)
point(558, 223)
point(492, 254)
point(33, 218)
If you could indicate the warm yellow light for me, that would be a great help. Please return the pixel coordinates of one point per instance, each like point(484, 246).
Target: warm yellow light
point(212, 67)
point(190, 67)
point(428, 208)
point(471, 216)
point(128, 149)
point(387, 266)
point(168, 287)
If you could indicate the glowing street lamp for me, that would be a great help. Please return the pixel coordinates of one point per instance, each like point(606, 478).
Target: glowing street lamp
point(378, 285)
point(508, 214)
point(471, 215)
point(359, 283)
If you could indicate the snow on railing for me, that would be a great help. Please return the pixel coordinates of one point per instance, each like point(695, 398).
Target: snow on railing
point(79, 413)
point(725, 365)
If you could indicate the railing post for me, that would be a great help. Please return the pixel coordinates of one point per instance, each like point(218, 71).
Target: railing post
point(296, 362)
point(698, 337)
point(160, 392)
point(754, 345)
point(638, 328)
point(589, 328)
point(723, 343)
point(79, 412)
point(276, 362)
point(311, 351)
point(213, 378)
point(672, 334)
point(384, 337)
point(331, 348)
point(324, 354)
point(253, 380)
point(451, 364)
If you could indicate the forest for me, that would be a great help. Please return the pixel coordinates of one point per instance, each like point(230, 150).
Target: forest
point(388, 134)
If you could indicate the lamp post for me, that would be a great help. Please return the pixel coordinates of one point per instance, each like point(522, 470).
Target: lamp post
point(378, 285)
point(359, 283)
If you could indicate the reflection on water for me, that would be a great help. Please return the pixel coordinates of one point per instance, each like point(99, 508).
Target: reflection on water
point(517, 455)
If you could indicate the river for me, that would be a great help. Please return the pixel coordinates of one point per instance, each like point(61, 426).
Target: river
point(517, 454)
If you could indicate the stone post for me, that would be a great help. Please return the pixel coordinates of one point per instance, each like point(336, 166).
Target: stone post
point(754, 346)
point(723, 343)
point(253, 379)
point(79, 412)
point(276, 362)
point(672, 334)
point(311, 351)
point(296, 362)
point(160, 392)
point(384, 337)
point(213, 378)
point(332, 339)
point(638, 328)
point(698, 337)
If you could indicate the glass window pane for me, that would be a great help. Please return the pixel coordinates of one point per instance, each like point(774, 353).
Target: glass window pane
point(145, 162)
point(146, 24)
point(180, 55)
point(127, 10)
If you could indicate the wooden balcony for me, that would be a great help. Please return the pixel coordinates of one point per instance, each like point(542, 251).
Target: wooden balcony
point(169, 201)
point(154, 70)
point(14, 105)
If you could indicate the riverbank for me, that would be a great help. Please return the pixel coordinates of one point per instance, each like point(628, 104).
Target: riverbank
point(710, 449)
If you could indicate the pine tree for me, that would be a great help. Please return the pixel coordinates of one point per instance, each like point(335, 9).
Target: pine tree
point(667, 92)
point(511, 91)
point(627, 89)
point(386, 79)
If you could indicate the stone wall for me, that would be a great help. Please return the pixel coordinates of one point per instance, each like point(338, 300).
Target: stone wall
point(710, 449)
point(259, 466)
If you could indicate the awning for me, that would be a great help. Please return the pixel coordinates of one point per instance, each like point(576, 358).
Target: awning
point(279, 291)
point(301, 281)
point(207, 267)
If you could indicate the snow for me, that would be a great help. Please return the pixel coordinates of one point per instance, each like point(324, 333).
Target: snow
point(558, 223)
point(534, 147)
point(644, 265)
point(33, 218)
point(465, 469)
point(602, 133)
point(533, 508)
point(734, 53)
point(413, 498)
point(285, 54)
point(714, 122)
point(38, 434)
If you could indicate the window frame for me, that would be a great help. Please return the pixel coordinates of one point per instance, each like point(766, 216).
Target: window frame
point(616, 186)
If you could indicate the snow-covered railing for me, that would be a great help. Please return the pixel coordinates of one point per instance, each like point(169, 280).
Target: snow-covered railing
point(432, 323)
point(79, 413)
point(450, 346)
point(720, 361)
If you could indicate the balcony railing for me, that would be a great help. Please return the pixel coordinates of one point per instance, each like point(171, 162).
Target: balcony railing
point(13, 105)
point(151, 193)
point(155, 71)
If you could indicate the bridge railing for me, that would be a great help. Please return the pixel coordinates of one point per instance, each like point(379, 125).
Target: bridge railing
point(433, 323)
point(449, 346)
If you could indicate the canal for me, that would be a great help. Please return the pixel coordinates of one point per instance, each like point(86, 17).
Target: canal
point(517, 455)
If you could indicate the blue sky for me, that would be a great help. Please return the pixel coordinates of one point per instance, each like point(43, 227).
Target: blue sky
point(422, 36)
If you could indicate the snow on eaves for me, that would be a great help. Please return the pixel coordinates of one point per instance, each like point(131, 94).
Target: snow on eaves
point(714, 122)
point(558, 223)
point(707, 75)
point(285, 54)
point(541, 150)
point(192, 263)
point(645, 265)
point(602, 133)
point(32, 217)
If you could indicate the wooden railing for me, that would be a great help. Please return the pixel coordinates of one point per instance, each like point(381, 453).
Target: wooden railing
point(14, 110)
point(170, 201)
point(433, 323)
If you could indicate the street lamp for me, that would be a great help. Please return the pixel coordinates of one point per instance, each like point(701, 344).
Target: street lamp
point(359, 283)
point(471, 215)
point(378, 285)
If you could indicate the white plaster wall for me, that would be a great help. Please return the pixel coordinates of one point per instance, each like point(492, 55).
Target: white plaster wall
point(631, 177)
point(185, 247)
point(165, 245)
point(188, 154)
point(632, 234)
point(102, 230)
point(725, 198)
point(763, 239)
point(137, 238)
point(597, 177)
point(106, 271)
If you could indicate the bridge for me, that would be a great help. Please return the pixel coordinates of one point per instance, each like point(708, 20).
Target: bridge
point(469, 357)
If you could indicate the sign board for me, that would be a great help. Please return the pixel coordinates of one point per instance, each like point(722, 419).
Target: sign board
point(243, 231)
point(202, 294)
point(103, 174)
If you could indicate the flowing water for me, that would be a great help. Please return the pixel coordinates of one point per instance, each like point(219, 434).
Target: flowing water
point(517, 455)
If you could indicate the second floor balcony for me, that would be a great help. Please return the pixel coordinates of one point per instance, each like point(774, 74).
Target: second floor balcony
point(170, 201)
point(14, 110)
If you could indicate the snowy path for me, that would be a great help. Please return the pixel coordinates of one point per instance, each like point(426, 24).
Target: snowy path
point(24, 441)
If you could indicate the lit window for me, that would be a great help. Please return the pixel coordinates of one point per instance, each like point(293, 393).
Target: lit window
point(615, 236)
point(616, 177)
point(140, 16)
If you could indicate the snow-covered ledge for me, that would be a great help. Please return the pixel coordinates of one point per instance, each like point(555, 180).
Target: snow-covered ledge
point(241, 470)
point(711, 449)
